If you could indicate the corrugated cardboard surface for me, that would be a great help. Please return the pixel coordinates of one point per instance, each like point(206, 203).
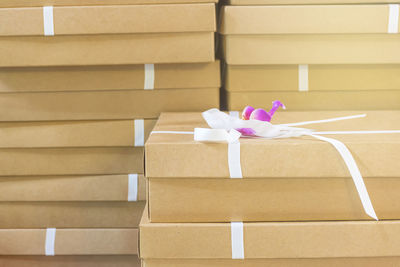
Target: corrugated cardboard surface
point(69, 188)
point(70, 242)
point(312, 49)
point(99, 105)
point(328, 100)
point(70, 214)
point(31, 3)
point(179, 156)
point(71, 161)
point(115, 49)
point(326, 262)
point(70, 261)
point(95, 78)
point(320, 77)
point(283, 199)
point(312, 19)
point(117, 133)
point(72, 20)
point(301, 2)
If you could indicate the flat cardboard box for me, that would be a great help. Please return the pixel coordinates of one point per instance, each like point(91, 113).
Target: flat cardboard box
point(96, 78)
point(312, 49)
point(70, 261)
point(326, 262)
point(311, 19)
point(114, 187)
point(70, 214)
point(179, 156)
point(319, 100)
point(75, 242)
point(113, 49)
point(263, 240)
point(40, 3)
point(86, 20)
point(260, 78)
point(71, 161)
point(116, 133)
point(305, 2)
point(104, 105)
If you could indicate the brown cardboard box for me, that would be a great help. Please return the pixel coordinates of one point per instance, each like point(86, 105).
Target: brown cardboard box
point(98, 105)
point(72, 20)
point(312, 19)
point(95, 78)
point(69, 188)
point(296, 179)
point(312, 49)
point(70, 214)
point(71, 161)
point(318, 100)
point(32, 3)
point(113, 49)
point(116, 133)
point(335, 241)
point(70, 261)
point(320, 77)
point(70, 242)
point(306, 2)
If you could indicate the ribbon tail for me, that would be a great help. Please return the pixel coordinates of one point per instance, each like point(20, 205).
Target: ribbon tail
point(355, 174)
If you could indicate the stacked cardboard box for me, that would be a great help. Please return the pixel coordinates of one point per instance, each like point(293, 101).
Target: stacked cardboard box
point(295, 196)
point(312, 55)
point(81, 85)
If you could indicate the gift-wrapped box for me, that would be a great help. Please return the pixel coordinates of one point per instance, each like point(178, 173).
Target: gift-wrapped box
point(132, 34)
point(285, 179)
point(270, 244)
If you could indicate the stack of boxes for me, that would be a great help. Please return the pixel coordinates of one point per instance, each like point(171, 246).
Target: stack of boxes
point(312, 55)
point(293, 203)
point(81, 85)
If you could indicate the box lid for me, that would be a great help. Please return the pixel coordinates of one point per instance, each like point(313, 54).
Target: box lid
point(310, 19)
point(269, 240)
point(70, 241)
point(178, 155)
point(115, 187)
point(96, 78)
point(83, 20)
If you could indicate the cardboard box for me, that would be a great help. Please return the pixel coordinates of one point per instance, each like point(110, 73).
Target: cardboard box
point(71, 161)
point(86, 20)
point(262, 241)
point(40, 3)
point(74, 242)
point(70, 214)
point(71, 188)
point(296, 179)
point(260, 78)
point(305, 2)
point(312, 49)
point(96, 78)
point(319, 100)
point(312, 19)
point(70, 261)
point(116, 133)
point(113, 49)
point(104, 105)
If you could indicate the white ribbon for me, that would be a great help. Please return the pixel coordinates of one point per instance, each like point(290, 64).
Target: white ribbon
point(237, 240)
point(48, 22)
point(303, 78)
point(139, 132)
point(393, 24)
point(50, 241)
point(132, 187)
point(149, 76)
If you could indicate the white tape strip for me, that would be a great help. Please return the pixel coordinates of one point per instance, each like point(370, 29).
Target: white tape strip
point(148, 76)
point(139, 132)
point(303, 78)
point(235, 168)
point(393, 24)
point(237, 240)
point(48, 22)
point(234, 114)
point(132, 187)
point(325, 121)
point(358, 132)
point(355, 173)
point(50, 241)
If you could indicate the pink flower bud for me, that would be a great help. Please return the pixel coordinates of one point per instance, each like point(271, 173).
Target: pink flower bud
point(247, 112)
point(260, 114)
